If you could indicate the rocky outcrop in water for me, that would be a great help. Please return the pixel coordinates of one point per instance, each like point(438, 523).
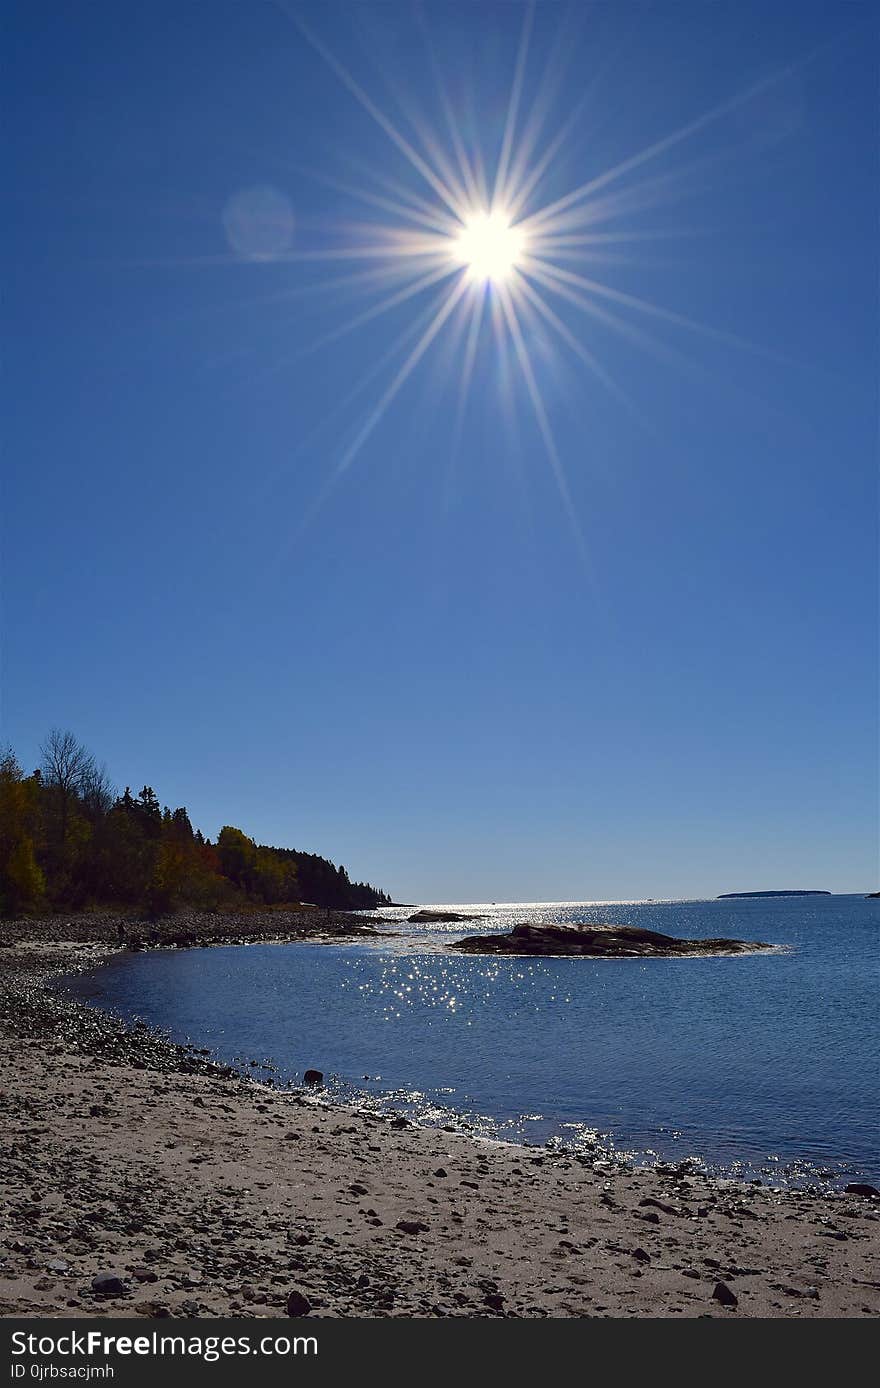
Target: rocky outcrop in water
point(439, 917)
point(617, 941)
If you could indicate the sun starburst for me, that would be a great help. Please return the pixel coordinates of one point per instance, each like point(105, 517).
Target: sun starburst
point(471, 240)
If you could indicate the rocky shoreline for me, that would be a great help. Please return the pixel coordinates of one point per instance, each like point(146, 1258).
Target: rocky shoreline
point(187, 929)
point(141, 1177)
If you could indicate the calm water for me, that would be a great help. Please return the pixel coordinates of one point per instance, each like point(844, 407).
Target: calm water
point(757, 1065)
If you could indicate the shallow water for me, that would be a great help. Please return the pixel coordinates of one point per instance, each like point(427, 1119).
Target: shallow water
point(762, 1064)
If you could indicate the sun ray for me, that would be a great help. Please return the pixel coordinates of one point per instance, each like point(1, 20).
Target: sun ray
point(585, 257)
point(376, 278)
point(546, 432)
point(330, 419)
point(412, 208)
point(659, 348)
point(475, 323)
point(467, 173)
point(467, 365)
point(523, 191)
point(309, 513)
point(587, 357)
point(540, 166)
point(441, 219)
point(413, 331)
point(604, 315)
point(680, 320)
point(398, 240)
point(693, 368)
point(525, 170)
point(499, 191)
point(357, 91)
point(376, 310)
point(642, 195)
point(651, 151)
point(552, 241)
point(398, 243)
point(405, 371)
point(441, 162)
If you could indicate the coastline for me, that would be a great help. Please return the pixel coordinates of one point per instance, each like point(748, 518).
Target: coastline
point(209, 1193)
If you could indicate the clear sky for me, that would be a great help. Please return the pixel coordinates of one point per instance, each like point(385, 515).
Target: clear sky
point(589, 610)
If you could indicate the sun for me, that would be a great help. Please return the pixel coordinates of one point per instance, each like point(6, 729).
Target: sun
point(489, 247)
point(484, 254)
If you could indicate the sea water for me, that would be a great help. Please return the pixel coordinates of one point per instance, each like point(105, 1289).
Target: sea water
point(754, 1065)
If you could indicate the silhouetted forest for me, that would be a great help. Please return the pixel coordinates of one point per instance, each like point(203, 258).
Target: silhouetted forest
point(69, 841)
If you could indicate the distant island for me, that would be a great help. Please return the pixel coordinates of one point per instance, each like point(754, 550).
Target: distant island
point(730, 896)
point(69, 842)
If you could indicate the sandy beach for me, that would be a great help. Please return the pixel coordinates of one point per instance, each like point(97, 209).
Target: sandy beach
point(199, 1191)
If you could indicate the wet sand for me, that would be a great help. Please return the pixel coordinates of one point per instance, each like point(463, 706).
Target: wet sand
point(208, 1193)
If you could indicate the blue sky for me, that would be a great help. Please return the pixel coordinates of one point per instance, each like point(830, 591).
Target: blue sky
point(428, 665)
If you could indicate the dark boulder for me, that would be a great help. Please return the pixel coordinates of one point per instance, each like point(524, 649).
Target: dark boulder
point(108, 1284)
point(723, 1294)
point(298, 1305)
point(314, 1077)
point(858, 1188)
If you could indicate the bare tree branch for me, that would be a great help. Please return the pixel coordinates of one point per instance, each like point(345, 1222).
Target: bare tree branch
point(67, 767)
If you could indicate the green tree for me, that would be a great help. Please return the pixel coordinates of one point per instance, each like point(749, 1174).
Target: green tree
point(238, 856)
point(22, 883)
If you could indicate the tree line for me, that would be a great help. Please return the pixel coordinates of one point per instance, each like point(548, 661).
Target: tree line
point(68, 841)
